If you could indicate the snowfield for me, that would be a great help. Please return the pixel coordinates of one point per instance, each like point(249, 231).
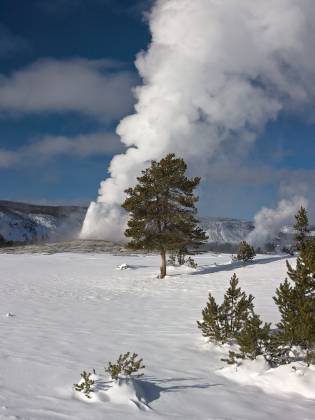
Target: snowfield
point(65, 313)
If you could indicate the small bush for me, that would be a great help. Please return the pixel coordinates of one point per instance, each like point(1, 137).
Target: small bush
point(245, 252)
point(270, 247)
point(288, 250)
point(126, 365)
point(182, 257)
point(85, 385)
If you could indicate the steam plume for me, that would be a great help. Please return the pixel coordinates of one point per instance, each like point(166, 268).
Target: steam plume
point(269, 222)
point(214, 74)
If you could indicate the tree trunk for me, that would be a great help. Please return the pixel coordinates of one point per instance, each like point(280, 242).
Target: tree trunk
point(163, 264)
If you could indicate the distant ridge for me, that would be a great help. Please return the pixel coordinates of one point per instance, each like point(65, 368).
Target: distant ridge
point(31, 223)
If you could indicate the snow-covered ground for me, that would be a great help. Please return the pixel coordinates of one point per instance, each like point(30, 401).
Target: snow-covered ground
point(75, 312)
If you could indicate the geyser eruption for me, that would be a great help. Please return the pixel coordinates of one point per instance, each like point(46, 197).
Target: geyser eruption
point(214, 74)
point(269, 222)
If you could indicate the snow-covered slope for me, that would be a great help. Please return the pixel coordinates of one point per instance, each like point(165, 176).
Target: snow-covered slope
point(74, 312)
point(226, 230)
point(20, 222)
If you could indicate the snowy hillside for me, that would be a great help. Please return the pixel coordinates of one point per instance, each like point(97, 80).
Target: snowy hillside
point(226, 230)
point(65, 313)
point(21, 222)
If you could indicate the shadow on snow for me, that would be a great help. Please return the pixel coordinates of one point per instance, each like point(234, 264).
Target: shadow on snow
point(236, 264)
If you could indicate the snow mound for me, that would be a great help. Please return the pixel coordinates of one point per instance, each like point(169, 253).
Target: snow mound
point(128, 391)
point(122, 267)
point(123, 391)
point(294, 378)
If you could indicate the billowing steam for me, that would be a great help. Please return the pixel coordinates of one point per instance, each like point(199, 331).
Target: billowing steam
point(214, 74)
point(269, 222)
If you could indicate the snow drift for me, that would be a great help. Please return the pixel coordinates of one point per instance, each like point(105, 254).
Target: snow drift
point(294, 378)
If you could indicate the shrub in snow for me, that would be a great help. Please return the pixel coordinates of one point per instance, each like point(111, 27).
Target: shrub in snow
point(235, 321)
point(181, 257)
point(222, 323)
point(85, 385)
point(270, 247)
point(127, 365)
point(288, 250)
point(253, 338)
point(245, 252)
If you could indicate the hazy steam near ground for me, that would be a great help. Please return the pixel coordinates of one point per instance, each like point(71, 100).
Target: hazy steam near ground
point(214, 74)
point(269, 222)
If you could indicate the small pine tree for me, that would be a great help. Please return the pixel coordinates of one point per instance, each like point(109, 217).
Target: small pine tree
point(223, 323)
point(235, 309)
point(127, 365)
point(86, 384)
point(245, 252)
point(253, 338)
point(181, 257)
point(270, 247)
point(285, 300)
point(162, 209)
point(302, 227)
point(211, 325)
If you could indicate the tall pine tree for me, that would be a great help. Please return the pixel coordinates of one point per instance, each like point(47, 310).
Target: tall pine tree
point(162, 209)
point(296, 300)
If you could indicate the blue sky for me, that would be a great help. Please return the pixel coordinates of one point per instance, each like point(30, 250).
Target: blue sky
point(63, 30)
point(66, 80)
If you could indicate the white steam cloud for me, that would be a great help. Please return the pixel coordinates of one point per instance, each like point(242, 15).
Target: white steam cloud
point(214, 74)
point(269, 222)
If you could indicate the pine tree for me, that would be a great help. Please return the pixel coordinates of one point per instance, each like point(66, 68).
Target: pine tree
point(211, 326)
point(245, 252)
point(302, 227)
point(235, 309)
point(296, 300)
point(162, 209)
point(253, 337)
point(222, 323)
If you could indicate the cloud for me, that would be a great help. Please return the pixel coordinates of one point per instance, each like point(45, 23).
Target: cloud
point(49, 147)
point(11, 43)
point(97, 88)
point(214, 75)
